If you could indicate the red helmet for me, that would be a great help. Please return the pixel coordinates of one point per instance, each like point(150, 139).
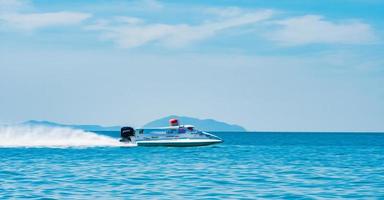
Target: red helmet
point(174, 122)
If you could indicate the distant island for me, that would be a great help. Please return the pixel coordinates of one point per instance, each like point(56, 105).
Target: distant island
point(202, 124)
point(82, 127)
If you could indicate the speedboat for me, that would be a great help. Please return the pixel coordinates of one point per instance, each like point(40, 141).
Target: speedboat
point(173, 135)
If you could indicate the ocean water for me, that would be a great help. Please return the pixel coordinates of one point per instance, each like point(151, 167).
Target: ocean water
point(68, 164)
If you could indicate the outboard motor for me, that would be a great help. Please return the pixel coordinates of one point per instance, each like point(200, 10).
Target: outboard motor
point(127, 134)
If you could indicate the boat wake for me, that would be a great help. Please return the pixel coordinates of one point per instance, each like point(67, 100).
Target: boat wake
point(56, 137)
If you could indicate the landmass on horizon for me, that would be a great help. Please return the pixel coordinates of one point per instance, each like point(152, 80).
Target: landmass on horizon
point(203, 124)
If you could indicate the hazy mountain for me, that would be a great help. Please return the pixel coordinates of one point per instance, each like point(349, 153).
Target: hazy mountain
point(83, 127)
point(202, 124)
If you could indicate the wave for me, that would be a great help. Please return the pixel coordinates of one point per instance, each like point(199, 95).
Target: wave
point(43, 136)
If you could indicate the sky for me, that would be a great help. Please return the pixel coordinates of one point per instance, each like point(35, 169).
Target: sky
point(265, 65)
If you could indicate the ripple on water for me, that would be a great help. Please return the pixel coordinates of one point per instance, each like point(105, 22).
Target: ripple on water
point(229, 171)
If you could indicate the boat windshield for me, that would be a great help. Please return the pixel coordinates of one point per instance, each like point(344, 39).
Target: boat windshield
point(169, 130)
point(181, 130)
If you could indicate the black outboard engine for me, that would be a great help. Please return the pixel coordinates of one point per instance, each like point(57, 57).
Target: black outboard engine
point(127, 133)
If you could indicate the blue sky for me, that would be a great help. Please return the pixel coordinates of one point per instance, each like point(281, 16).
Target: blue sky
point(266, 65)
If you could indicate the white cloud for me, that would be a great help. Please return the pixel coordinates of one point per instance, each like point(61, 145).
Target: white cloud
point(130, 32)
point(129, 35)
point(225, 12)
point(14, 16)
point(151, 4)
point(313, 29)
point(13, 5)
point(129, 20)
point(33, 21)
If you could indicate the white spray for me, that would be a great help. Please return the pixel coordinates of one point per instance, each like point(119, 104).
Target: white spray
point(42, 136)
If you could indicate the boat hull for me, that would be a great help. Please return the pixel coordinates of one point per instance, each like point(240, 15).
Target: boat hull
point(179, 142)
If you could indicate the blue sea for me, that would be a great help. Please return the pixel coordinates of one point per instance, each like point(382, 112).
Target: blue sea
point(246, 166)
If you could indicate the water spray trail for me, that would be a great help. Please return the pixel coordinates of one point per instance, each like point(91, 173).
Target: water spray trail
point(41, 136)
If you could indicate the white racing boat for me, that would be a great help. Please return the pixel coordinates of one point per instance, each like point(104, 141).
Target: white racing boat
point(174, 135)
